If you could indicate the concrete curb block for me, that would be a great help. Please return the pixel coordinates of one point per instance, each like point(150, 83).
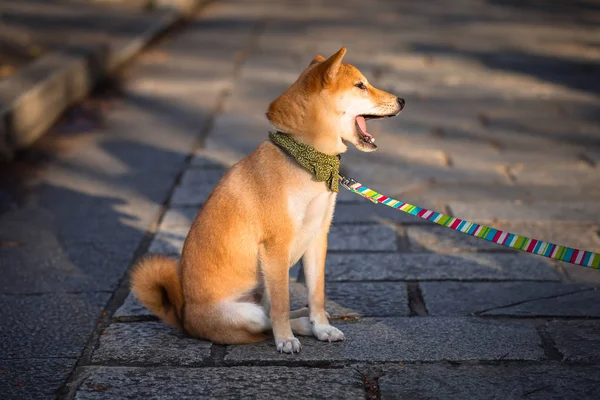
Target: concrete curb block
point(44, 89)
point(32, 100)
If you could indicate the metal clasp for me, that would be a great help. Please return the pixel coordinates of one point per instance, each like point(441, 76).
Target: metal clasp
point(347, 182)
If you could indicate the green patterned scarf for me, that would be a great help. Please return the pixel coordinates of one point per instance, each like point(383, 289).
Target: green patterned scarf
point(324, 167)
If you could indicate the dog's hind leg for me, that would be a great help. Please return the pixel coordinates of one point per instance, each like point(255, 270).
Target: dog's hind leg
point(301, 326)
point(229, 322)
point(304, 312)
point(301, 312)
point(265, 302)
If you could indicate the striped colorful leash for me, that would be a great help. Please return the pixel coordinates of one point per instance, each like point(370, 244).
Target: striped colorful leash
point(522, 243)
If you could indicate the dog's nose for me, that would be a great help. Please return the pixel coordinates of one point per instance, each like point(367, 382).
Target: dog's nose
point(401, 102)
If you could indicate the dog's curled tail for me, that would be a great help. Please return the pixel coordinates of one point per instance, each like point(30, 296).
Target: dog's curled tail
point(155, 282)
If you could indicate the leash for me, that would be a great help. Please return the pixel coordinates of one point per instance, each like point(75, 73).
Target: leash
point(522, 243)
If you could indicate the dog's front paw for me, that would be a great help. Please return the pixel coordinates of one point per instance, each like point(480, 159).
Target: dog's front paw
point(289, 345)
point(326, 332)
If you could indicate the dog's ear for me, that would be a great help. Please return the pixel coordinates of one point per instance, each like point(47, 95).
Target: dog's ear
point(332, 65)
point(315, 60)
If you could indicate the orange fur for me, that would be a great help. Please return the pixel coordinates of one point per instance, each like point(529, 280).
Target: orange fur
point(155, 282)
point(263, 216)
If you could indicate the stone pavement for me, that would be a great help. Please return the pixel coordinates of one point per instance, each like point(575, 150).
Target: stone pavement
point(501, 126)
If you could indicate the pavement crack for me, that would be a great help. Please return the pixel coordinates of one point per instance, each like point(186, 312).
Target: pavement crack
point(135, 319)
point(586, 160)
point(508, 172)
point(217, 355)
point(548, 345)
point(370, 379)
point(402, 240)
point(416, 302)
point(527, 393)
point(447, 210)
point(531, 300)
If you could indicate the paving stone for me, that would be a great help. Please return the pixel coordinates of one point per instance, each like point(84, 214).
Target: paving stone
point(440, 239)
point(236, 118)
point(581, 304)
point(543, 382)
point(464, 298)
point(397, 174)
point(576, 340)
point(48, 325)
point(467, 191)
point(34, 378)
point(173, 230)
point(559, 195)
point(376, 299)
point(362, 238)
point(336, 309)
point(220, 383)
point(131, 309)
point(428, 266)
point(408, 339)
point(45, 261)
point(555, 172)
point(577, 274)
point(203, 159)
point(195, 186)
point(83, 244)
point(149, 343)
point(191, 195)
point(539, 211)
point(179, 217)
point(193, 176)
point(169, 243)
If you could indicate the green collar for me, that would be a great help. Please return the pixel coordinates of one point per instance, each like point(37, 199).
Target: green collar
point(324, 167)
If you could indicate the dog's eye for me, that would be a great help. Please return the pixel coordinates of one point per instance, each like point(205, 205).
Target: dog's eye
point(361, 86)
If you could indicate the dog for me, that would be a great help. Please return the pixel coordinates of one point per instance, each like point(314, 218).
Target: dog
point(231, 285)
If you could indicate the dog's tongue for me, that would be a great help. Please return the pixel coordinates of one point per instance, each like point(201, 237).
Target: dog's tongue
point(360, 120)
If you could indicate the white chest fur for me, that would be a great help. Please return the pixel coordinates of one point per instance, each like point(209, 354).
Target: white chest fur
point(311, 211)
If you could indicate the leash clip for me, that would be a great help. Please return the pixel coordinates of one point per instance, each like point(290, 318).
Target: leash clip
point(347, 182)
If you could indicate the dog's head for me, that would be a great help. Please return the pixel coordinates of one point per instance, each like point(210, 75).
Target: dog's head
point(329, 104)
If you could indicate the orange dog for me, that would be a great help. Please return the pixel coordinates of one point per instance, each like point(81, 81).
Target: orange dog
point(263, 216)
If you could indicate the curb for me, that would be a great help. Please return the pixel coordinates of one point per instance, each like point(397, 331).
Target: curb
point(32, 100)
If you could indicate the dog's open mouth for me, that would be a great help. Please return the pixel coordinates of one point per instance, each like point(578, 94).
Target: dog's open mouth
point(361, 125)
